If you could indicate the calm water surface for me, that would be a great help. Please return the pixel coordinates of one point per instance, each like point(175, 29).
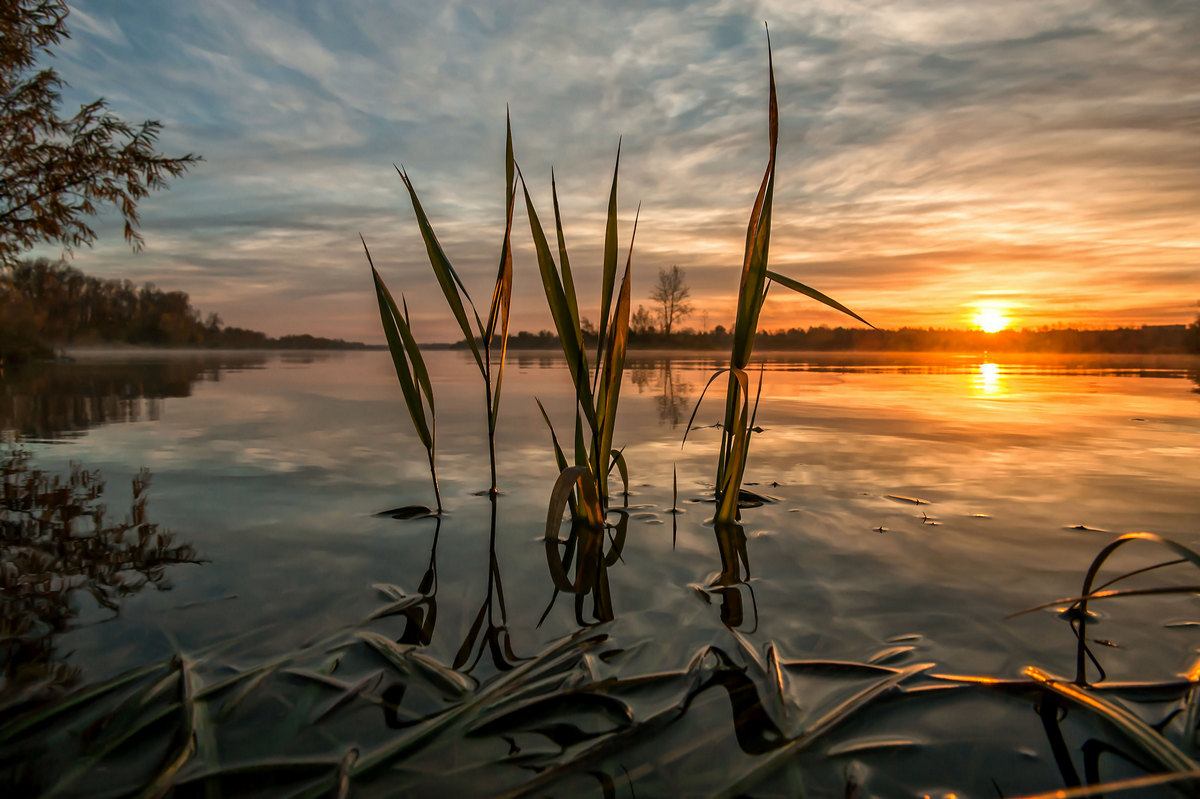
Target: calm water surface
point(273, 465)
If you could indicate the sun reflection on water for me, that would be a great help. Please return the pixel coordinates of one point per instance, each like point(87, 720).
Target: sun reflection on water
point(988, 381)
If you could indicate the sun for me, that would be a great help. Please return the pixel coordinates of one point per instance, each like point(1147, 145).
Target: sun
point(991, 320)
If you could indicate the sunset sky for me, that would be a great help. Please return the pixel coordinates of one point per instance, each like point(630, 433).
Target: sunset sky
point(1037, 157)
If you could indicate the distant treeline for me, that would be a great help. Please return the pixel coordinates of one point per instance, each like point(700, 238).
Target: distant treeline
point(1143, 339)
point(46, 304)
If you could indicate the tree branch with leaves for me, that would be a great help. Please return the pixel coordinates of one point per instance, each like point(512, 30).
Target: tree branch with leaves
point(55, 173)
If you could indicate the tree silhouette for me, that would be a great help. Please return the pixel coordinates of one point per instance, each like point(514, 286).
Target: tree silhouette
point(671, 293)
point(55, 172)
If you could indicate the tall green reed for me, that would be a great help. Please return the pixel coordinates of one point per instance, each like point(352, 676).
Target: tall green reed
point(410, 370)
point(752, 293)
point(483, 337)
point(584, 486)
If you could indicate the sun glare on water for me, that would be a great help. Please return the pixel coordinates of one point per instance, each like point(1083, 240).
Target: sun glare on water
point(991, 320)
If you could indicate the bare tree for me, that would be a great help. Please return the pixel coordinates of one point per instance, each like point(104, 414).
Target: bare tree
point(671, 293)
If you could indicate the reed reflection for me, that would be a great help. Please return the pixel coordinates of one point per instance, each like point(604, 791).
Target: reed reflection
point(584, 550)
point(488, 632)
point(420, 617)
point(731, 581)
point(673, 399)
point(1052, 711)
point(56, 543)
point(490, 627)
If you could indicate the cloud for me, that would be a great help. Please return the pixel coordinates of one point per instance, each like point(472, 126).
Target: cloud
point(930, 153)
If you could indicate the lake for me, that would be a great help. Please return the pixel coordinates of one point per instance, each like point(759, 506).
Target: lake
point(914, 502)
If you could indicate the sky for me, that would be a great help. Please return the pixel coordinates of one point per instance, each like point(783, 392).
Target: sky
point(1036, 158)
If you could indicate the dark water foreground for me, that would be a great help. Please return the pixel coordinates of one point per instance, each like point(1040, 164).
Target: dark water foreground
point(848, 639)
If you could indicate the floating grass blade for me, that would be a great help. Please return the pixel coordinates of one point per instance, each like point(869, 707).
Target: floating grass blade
point(768, 764)
point(26, 722)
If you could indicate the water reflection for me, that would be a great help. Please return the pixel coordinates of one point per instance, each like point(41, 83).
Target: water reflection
point(54, 401)
point(491, 620)
point(420, 614)
point(585, 549)
point(673, 395)
point(56, 543)
point(731, 581)
point(988, 380)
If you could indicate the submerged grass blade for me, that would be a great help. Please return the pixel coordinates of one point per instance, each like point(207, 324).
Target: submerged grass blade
point(768, 764)
point(1102, 788)
point(28, 721)
point(1089, 580)
point(1152, 743)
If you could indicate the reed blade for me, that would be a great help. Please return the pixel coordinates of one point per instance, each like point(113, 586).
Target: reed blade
point(758, 234)
point(609, 275)
point(696, 409)
point(447, 277)
point(618, 462)
point(560, 310)
point(393, 322)
point(502, 293)
point(501, 305)
point(559, 456)
point(609, 390)
point(735, 465)
point(800, 288)
point(571, 477)
point(568, 279)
